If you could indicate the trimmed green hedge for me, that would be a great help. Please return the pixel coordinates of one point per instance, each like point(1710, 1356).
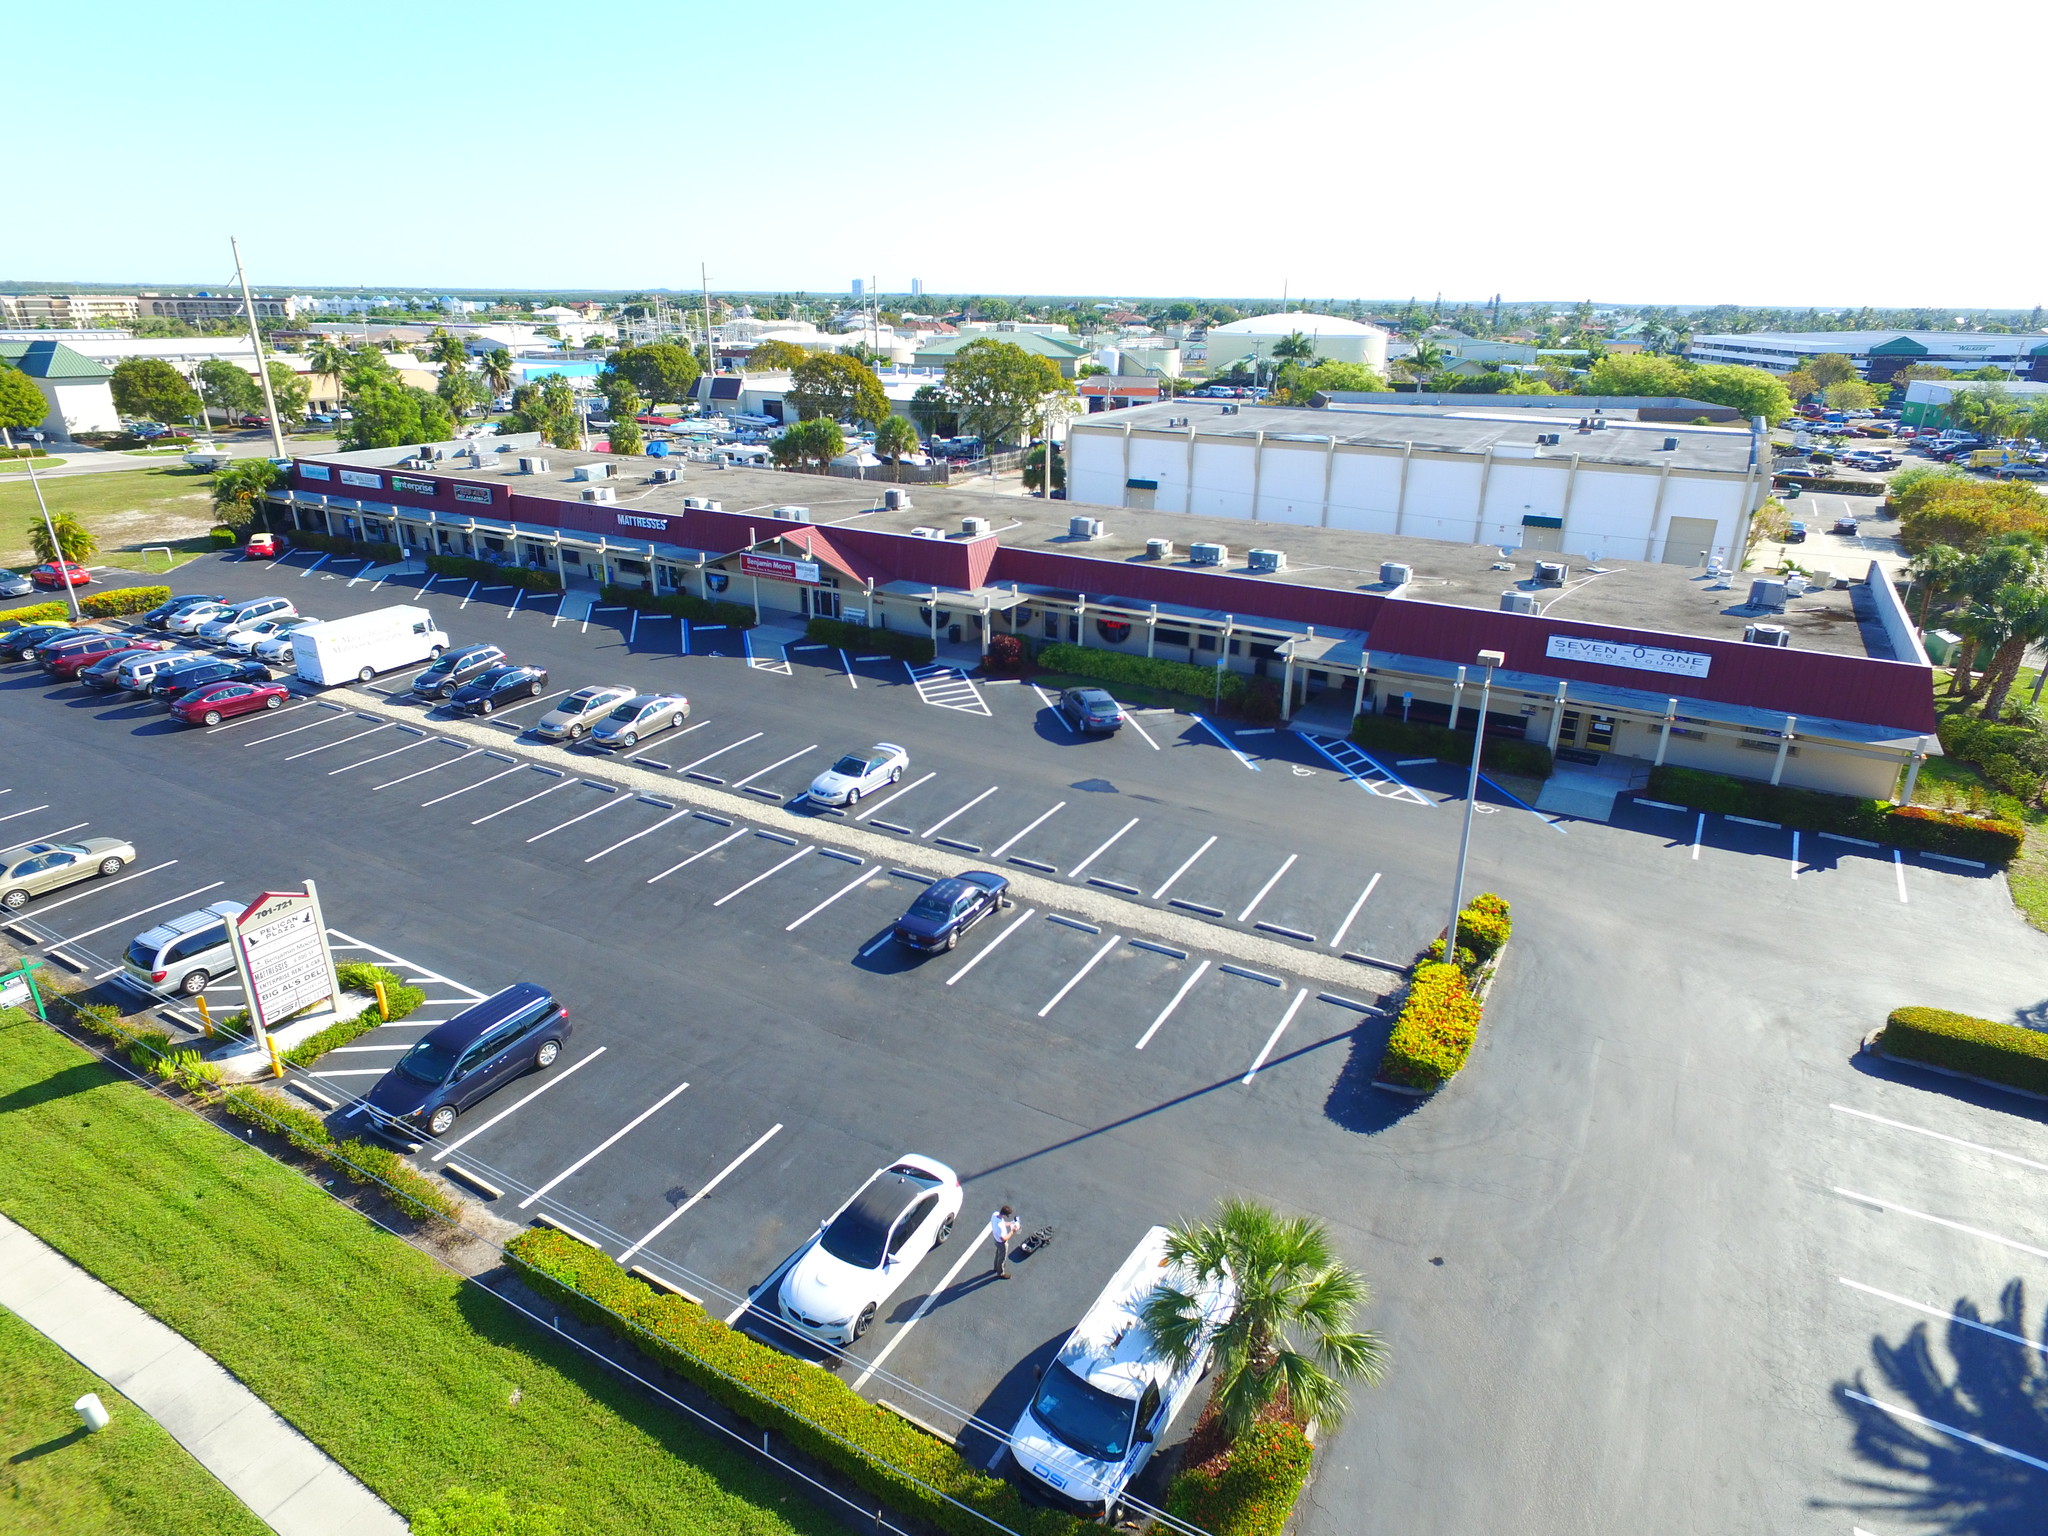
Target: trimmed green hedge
point(815, 1411)
point(358, 976)
point(2003, 1053)
point(1503, 754)
point(1483, 929)
point(1920, 827)
point(915, 649)
point(376, 553)
point(360, 1162)
point(1248, 1491)
point(1439, 1021)
point(496, 575)
point(96, 605)
point(2013, 757)
point(695, 609)
point(1148, 671)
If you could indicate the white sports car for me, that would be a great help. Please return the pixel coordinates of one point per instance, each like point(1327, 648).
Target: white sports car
point(249, 636)
point(859, 773)
point(865, 1252)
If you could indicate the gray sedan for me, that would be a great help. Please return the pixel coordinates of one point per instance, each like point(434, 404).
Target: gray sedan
point(31, 869)
point(638, 718)
point(572, 719)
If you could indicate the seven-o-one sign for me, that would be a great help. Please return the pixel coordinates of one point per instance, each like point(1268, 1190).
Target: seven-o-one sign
point(281, 951)
point(1644, 658)
point(779, 568)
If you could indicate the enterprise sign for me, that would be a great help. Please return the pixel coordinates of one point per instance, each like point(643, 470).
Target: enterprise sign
point(1644, 658)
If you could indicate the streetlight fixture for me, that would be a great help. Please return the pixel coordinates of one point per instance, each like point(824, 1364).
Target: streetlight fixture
point(1488, 660)
point(56, 549)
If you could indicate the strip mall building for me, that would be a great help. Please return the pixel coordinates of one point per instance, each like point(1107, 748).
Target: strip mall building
point(1622, 659)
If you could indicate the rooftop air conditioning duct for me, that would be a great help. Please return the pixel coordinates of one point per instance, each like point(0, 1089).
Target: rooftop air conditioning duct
point(1208, 554)
point(1395, 574)
point(1766, 593)
point(1159, 549)
point(792, 514)
point(600, 493)
point(1264, 562)
point(1518, 602)
point(1550, 573)
point(927, 533)
point(1768, 634)
point(975, 527)
point(1085, 528)
point(533, 466)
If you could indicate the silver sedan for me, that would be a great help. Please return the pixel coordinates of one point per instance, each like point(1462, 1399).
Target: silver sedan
point(572, 719)
point(638, 718)
point(33, 868)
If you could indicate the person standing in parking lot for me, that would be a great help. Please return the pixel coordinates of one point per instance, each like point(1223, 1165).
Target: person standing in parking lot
point(1003, 1227)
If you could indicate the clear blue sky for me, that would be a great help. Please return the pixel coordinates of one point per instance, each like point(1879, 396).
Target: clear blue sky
point(1742, 152)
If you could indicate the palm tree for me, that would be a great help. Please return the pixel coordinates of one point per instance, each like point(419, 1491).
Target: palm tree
point(74, 540)
point(240, 490)
point(498, 370)
point(447, 350)
point(2023, 614)
point(1294, 348)
point(1423, 361)
point(1288, 1283)
point(1936, 569)
point(894, 437)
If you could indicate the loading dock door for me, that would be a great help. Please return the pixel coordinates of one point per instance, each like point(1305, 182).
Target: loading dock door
point(1689, 540)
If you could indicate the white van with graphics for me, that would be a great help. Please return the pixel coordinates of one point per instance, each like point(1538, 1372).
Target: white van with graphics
point(1110, 1394)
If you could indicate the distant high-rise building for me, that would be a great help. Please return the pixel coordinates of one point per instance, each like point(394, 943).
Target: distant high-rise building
point(917, 287)
point(858, 288)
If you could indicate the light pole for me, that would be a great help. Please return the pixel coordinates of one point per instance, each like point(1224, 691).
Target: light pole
point(56, 549)
point(1488, 660)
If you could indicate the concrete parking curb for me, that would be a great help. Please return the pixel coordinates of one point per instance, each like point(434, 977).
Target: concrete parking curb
point(286, 1480)
point(1091, 902)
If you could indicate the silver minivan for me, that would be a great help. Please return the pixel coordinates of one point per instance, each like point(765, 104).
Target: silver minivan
point(184, 954)
point(136, 675)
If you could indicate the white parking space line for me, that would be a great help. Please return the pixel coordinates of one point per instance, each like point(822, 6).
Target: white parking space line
point(102, 885)
point(693, 858)
point(501, 810)
point(479, 784)
point(993, 945)
point(342, 742)
point(311, 725)
point(1953, 1433)
point(1699, 830)
point(721, 751)
point(1337, 942)
point(1279, 1029)
point(1943, 1221)
point(1795, 855)
point(609, 801)
point(1246, 915)
point(1099, 852)
point(73, 938)
point(970, 1250)
point(1947, 1317)
point(1954, 1141)
point(268, 714)
point(1020, 836)
point(635, 837)
point(29, 812)
point(46, 836)
point(413, 972)
point(1899, 869)
point(351, 1072)
point(1186, 865)
point(847, 662)
point(529, 703)
point(1228, 745)
point(460, 757)
point(609, 1141)
point(1075, 979)
point(561, 1076)
point(1131, 719)
point(1048, 701)
point(741, 890)
point(1167, 1012)
point(906, 789)
point(970, 805)
point(743, 783)
point(716, 1179)
point(852, 885)
point(363, 761)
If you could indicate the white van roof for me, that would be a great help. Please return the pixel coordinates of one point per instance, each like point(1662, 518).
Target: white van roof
point(1110, 1348)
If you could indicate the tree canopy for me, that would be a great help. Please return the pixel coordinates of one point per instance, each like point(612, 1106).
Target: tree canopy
point(894, 437)
point(1940, 505)
point(150, 388)
point(549, 408)
point(1302, 384)
point(226, 386)
point(999, 391)
point(811, 444)
point(74, 540)
point(287, 389)
point(773, 356)
point(388, 414)
point(838, 388)
point(1748, 390)
point(241, 488)
point(21, 404)
point(662, 372)
point(1643, 374)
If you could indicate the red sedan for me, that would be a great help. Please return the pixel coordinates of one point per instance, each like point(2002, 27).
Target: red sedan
point(60, 573)
point(210, 706)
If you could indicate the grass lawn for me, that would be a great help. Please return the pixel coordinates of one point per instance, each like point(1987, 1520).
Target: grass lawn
point(21, 466)
point(130, 1479)
point(408, 1375)
point(125, 509)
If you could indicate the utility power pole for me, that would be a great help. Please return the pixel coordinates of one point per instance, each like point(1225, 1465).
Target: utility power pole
point(710, 353)
point(256, 341)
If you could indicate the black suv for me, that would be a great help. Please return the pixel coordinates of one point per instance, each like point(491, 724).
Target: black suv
point(475, 1053)
point(173, 683)
point(456, 668)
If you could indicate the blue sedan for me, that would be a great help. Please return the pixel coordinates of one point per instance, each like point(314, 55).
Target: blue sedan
point(948, 908)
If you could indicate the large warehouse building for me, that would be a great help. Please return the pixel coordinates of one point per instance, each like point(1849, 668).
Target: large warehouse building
point(1646, 662)
point(1604, 485)
point(1336, 340)
point(1878, 354)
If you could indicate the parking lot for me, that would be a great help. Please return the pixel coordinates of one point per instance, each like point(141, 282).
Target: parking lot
point(1614, 1241)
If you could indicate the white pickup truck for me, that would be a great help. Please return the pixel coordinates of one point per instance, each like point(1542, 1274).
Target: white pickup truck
point(357, 648)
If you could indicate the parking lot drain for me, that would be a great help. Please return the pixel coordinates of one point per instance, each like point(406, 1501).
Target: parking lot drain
point(1751, 821)
point(708, 778)
point(765, 794)
point(567, 1231)
point(1286, 933)
point(911, 874)
point(1110, 885)
point(891, 826)
point(473, 1181)
point(307, 1090)
point(953, 842)
point(1072, 922)
point(1195, 906)
point(1386, 965)
point(778, 837)
point(657, 804)
point(716, 821)
point(1238, 970)
point(1033, 864)
point(910, 1418)
point(648, 762)
point(1346, 1002)
point(1160, 949)
point(644, 1273)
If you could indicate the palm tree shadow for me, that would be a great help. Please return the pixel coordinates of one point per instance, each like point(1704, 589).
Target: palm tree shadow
point(1997, 1393)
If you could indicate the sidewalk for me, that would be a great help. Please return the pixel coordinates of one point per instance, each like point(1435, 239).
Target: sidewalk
point(284, 1479)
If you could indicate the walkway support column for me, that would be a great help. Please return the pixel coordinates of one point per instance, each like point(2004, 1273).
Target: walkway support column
point(1784, 746)
point(1913, 774)
point(1556, 717)
point(1457, 697)
point(1664, 732)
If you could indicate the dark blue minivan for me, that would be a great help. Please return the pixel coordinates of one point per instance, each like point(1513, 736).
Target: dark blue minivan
point(472, 1055)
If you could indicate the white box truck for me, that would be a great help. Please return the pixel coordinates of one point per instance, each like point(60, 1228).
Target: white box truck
point(356, 649)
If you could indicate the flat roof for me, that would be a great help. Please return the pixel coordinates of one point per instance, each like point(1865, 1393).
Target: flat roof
point(1461, 429)
point(1669, 598)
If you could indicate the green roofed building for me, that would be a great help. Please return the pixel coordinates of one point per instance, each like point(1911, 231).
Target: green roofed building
point(1878, 355)
point(1068, 354)
point(80, 396)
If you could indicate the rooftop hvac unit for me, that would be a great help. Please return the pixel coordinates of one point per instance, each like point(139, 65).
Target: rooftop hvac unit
point(1085, 528)
point(1208, 554)
point(1264, 562)
point(1394, 574)
point(415, 463)
point(792, 514)
point(1550, 573)
point(1796, 585)
point(600, 493)
point(895, 500)
point(533, 466)
point(714, 506)
point(1765, 593)
point(661, 477)
point(927, 533)
point(592, 472)
point(1820, 581)
point(693, 503)
point(1599, 423)
point(1230, 410)
point(1518, 602)
point(1159, 549)
point(430, 451)
point(1768, 634)
point(975, 527)
point(1670, 444)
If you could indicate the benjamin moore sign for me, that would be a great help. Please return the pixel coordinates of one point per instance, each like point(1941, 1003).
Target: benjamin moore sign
point(361, 477)
point(779, 568)
point(1644, 658)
